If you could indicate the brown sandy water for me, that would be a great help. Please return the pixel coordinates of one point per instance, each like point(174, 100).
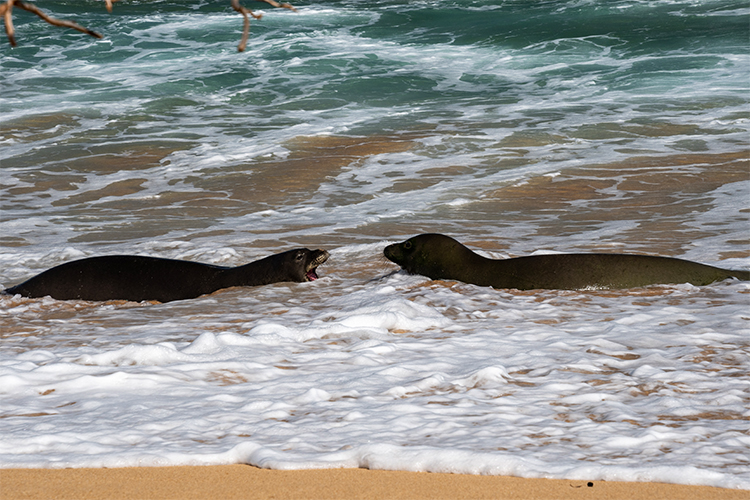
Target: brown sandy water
point(658, 195)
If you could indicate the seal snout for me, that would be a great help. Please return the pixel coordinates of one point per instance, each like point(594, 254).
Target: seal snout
point(394, 253)
point(320, 257)
point(388, 252)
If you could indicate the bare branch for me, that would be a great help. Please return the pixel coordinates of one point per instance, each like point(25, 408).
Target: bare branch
point(57, 22)
point(280, 5)
point(244, 11)
point(108, 4)
point(246, 29)
point(6, 10)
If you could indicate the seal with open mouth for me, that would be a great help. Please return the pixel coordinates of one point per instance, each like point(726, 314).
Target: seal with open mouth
point(138, 278)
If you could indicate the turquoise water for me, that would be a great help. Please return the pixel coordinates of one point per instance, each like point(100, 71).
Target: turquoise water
point(351, 66)
point(515, 127)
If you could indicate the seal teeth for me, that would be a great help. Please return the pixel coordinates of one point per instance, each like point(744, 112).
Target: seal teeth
point(311, 275)
point(322, 257)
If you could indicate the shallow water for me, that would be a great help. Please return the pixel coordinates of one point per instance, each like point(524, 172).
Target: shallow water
point(515, 128)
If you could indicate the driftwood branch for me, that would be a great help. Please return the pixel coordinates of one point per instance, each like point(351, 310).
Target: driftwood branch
point(6, 11)
point(244, 11)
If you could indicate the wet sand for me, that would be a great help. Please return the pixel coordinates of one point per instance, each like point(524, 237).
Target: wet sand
point(242, 481)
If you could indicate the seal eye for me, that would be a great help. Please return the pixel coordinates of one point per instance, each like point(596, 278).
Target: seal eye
point(300, 255)
point(407, 245)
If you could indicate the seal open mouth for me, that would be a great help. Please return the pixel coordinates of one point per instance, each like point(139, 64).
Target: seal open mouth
point(312, 266)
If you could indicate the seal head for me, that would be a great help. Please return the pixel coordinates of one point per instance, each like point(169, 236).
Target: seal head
point(300, 264)
point(433, 255)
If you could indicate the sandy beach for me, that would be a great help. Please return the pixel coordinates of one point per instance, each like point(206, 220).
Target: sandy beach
point(242, 481)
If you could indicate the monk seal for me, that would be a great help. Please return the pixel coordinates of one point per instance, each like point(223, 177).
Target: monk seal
point(441, 257)
point(138, 278)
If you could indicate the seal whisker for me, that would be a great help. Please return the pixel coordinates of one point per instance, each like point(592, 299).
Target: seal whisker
point(380, 278)
point(385, 266)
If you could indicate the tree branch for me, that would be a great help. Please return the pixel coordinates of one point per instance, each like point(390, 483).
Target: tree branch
point(108, 4)
point(244, 11)
point(7, 11)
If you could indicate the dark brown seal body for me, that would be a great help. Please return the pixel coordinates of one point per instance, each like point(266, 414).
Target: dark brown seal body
point(440, 257)
point(138, 278)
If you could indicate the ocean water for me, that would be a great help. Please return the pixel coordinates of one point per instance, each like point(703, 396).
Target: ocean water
point(514, 126)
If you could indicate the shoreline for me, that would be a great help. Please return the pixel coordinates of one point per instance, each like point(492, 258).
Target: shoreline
point(245, 481)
